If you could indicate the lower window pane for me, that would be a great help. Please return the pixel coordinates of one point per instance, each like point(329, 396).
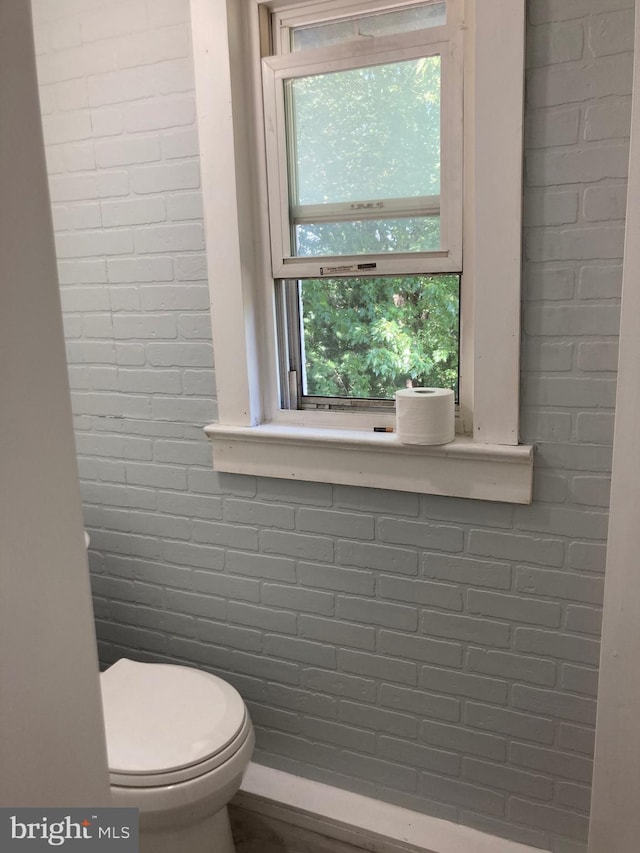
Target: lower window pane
point(368, 337)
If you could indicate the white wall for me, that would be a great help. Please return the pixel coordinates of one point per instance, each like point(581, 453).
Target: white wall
point(615, 818)
point(52, 750)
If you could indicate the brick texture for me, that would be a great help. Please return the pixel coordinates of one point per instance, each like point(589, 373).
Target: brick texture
point(438, 653)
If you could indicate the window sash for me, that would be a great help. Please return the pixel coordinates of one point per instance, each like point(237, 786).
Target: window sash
point(277, 69)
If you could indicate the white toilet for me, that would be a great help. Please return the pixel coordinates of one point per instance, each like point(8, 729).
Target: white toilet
point(178, 743)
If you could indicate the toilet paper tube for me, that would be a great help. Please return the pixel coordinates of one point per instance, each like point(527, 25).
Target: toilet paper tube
point(425, 415)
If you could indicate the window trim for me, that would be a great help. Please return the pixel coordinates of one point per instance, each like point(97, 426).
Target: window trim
point(351, 457)
point(239, 266)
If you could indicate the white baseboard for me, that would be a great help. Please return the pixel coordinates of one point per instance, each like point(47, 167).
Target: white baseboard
point(361, 821)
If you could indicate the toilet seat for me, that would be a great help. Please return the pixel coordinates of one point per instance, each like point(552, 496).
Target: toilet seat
point(167, 724)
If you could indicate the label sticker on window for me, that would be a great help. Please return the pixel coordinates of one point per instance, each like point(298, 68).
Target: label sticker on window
point(346, 268)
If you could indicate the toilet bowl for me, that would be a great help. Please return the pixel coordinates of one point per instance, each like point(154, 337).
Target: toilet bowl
point(178, 743)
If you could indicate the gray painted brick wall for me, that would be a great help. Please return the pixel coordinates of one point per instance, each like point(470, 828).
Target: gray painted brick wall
point(437, 653)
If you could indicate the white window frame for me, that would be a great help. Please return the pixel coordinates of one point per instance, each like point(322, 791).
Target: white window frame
point(253, 435)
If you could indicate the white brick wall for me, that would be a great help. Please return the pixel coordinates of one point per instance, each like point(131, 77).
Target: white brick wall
point(438, 653)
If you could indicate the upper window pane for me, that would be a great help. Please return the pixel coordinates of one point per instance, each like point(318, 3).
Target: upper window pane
point(366, 133)
point(364, 144)
point(380, 24)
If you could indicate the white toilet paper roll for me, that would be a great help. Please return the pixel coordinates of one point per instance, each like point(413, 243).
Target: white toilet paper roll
point(425, 415)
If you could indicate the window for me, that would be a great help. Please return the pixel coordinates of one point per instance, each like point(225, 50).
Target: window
point(328, 228)
point(363, 118)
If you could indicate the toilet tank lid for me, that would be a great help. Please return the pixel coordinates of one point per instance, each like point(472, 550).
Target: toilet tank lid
point(161, 717)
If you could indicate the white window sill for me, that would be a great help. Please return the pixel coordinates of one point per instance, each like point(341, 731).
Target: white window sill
point(464, 468)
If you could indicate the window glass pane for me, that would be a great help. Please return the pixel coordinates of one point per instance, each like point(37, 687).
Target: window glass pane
point(381, 24)
point(365, 134)
point(366, 237)
point(368, 337)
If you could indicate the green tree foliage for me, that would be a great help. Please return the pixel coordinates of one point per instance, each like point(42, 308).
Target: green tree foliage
point(369, 337)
